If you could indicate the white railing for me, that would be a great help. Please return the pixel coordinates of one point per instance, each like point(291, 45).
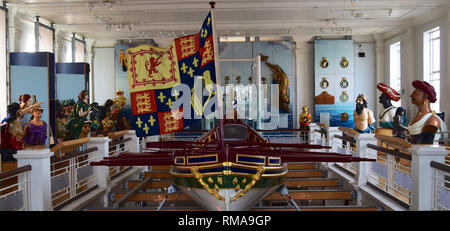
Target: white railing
point(349, 148)
point(15, 189)
point(182, 136)
point(441, 186)
point(116, 147)
point(71, 175)
point(286, 136)
point(391, 173)
point(143, 142)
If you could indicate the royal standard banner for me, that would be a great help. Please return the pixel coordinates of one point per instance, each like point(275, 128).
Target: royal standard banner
point(153, 72)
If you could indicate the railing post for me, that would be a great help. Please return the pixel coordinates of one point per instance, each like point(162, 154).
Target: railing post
point(334, 142)
point(362, 151)
point(362, 168)
point(312, 134)
point(40, 179)
point(102, 172)
point(134, 143)
point(422, 189)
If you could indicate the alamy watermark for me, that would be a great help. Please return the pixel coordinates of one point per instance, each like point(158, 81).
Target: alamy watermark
point(250, 101)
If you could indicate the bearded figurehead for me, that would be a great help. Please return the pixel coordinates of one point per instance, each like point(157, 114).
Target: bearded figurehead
point(386, 117)
point(425, 123)
point(362, 116)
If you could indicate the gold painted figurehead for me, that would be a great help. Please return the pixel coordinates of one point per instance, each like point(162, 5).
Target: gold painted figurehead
point(305, 118)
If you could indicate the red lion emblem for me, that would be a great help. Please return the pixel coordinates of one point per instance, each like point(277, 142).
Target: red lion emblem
point(151, 67)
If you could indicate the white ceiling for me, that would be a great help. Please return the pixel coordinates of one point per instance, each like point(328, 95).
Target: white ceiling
point(169, 18)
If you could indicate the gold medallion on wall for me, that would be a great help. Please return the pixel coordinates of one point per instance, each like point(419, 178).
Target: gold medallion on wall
point(344, 116)
point(344, 62)
point(324, 83)
point(343, 83)
point(344, 97)
point(324, 62)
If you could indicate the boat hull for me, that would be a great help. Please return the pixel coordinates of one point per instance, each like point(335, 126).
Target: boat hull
point(244, 203)
point(228, 186)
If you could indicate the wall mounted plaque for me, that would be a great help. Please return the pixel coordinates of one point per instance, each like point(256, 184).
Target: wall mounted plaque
point(344, 62)
point(343, 97)
point(324, 62)
point(343, 83)
point(324, 83)
point(344, 116)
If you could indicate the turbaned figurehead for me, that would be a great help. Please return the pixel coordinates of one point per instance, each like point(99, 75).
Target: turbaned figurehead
point(425, 123)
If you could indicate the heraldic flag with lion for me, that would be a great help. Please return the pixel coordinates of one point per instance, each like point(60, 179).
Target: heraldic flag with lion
point(154, 71)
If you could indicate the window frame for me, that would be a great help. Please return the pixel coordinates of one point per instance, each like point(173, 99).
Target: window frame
point(7, 92)
point(397, 87)
point(74, 40)
point(429, 61)
point(38, 24)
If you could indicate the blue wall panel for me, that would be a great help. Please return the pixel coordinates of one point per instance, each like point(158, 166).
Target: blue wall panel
point(34, 74)
point(69, 86)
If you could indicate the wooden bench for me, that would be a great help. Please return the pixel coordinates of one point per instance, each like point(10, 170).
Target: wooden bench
point(313, 195)
point(293, 182)
point(155, 197)
point(302, 166)
point(305, 174)
point(158, 174)
point(153, 184)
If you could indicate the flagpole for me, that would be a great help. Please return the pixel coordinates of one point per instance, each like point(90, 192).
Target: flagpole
point(219, 95)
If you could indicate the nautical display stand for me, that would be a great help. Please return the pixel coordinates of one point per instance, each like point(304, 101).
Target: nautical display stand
point(34, 74)
point(71, 78)
point(334, 84)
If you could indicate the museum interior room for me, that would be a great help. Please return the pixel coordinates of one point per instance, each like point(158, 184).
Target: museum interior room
point(182, 105)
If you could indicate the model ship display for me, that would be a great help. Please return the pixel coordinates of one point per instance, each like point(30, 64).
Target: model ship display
point(230, 168)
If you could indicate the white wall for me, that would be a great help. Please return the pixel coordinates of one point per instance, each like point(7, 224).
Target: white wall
point(365, 80)
point(103, 75)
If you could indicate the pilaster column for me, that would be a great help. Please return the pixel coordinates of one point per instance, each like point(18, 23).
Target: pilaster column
point(60, 45)
point(14, 29)
point(445, 80)
point(90, 59)
point(380, 65)
point(408, 71)
point(303, 78)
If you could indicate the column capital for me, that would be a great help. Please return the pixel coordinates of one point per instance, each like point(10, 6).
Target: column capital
point(90, 44)
point(131, 132)
point(365, 136)
point(99, 139)
point(301, 38)
point(33, 154)
point(428, 150)
point(379, 38)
